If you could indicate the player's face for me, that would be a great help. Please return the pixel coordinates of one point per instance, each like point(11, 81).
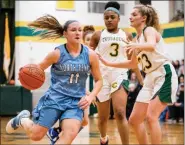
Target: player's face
point(136, 19)
point(87, 39)
point(74, 33)
point(111, 20)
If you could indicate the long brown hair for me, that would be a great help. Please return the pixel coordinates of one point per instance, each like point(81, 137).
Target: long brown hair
point(88, 29)
point(151, 14)
point(50, 26)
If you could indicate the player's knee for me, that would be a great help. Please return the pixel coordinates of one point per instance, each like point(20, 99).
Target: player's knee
point(151, 118)
point(37, 134)
point(119, 114)
point(102, 120)
point(36, 137)
point(70, 134)
point(132, 121)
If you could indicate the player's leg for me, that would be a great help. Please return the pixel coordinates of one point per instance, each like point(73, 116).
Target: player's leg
point(35, 130)
point(70, 129)
point(154, 110)
point(103, 116)
point(119, 101)
point(71, 121)
point(139, 111)
point(165, 88)
point(103, 107)
point(136, 120)
point(53, 133)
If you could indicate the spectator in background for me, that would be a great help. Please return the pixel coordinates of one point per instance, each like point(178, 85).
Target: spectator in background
point(181, 79)
point(131, 99)
point(133, 79)
point(134, 88)
point(177, 109)
point(180, 102)
point(181, 68)
point(176, 65)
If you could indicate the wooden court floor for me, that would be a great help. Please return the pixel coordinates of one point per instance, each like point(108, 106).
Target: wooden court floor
point(171, 134)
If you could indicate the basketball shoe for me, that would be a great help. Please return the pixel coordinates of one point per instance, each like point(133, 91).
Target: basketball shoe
point(15, 122)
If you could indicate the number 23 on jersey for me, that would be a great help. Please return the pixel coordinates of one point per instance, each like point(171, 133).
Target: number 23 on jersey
point(145, 62)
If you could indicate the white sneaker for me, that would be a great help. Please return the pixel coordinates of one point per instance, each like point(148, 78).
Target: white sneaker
point(15, 122)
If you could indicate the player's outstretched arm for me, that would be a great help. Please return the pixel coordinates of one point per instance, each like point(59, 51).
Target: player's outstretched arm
point(131, 64)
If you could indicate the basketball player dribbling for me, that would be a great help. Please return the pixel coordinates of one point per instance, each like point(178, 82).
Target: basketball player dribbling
point(66, 98)
point(53, 133)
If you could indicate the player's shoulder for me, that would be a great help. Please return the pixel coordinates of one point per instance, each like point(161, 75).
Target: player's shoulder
point(149, 29)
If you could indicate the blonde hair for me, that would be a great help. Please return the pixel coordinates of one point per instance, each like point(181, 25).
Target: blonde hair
point(151, 14)
point(49, 26)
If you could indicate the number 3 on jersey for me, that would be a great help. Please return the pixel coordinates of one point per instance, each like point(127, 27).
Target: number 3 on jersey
point(115, 47)
point(145, 62)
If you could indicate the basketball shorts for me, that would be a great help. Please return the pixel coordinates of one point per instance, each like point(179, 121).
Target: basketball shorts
point(111, 83)
point(163, 82)
point(48, 111)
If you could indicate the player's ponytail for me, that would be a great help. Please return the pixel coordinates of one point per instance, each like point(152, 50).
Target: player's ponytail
point(49, 26)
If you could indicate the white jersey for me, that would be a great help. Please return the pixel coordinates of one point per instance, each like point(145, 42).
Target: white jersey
point(150, 61)
point(111, 48)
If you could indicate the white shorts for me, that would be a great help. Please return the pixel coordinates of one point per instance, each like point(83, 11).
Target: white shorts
point(111, 83)
point(162, 82)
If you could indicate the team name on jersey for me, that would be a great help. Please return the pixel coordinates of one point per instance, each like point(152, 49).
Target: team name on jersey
point(73, 67)
point(105, 39)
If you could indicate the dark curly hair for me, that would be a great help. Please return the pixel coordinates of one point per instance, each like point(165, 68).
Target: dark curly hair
point(114, 4)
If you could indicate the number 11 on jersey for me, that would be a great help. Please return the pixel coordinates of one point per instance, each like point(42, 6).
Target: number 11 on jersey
point(72, 77)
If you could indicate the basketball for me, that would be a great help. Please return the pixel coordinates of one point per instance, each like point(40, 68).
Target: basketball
point(31, 76)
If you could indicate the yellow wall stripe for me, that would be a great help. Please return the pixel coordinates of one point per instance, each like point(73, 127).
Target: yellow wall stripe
point(174, 40)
